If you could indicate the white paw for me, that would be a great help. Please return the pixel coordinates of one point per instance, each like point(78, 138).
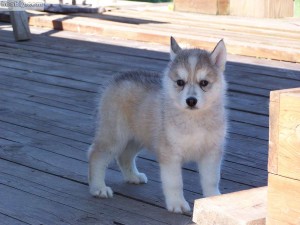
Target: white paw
point(140, 178)
point(102, 192)
point(178, 206)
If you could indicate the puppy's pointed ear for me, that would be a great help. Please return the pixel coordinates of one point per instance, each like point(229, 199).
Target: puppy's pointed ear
point(219, 55)
point(175, 48)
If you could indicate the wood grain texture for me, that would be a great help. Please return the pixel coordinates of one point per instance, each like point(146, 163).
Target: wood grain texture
point(279, 8)
point(284, 141)
point(283, 201)
point(289, 135)
point(67, 195)
point(247, 8)
point(199, 6)
point(273, 131)
point(238, 208)
point(262, 8)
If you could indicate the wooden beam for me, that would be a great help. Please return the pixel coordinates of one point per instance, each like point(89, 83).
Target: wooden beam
point(284, 158)
point(273, 131)
point(238, 208)
point(199, 6)
point(19, 20)
point(262, 8)
point(283, 201)
point(284, 143)
point(279, 8)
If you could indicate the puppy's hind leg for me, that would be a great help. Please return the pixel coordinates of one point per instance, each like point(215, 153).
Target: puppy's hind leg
point(127, 164)
point(99, 158)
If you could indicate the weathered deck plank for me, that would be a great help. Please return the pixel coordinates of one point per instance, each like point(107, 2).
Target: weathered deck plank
point(47, 84)
point(67, 194)
point(9, 220)
point(85, 125)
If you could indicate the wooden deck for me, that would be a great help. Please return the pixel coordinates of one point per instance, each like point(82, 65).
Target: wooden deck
point(48, 95)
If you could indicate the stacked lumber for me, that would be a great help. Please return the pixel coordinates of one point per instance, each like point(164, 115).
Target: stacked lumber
point(284, 158)
point(272, 39)
point(238, 208)
point(249, 8)
point(279, 203)
point(220, 7)
point(262, 8)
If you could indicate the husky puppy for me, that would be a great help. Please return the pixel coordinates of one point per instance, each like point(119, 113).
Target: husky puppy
point(179, 115)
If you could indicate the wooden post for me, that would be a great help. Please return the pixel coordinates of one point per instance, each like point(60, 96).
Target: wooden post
point(19, 20)
point(238, 208)
point(284, 158)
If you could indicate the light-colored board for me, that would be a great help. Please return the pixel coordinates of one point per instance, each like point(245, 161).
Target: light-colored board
point(223, 21)
point(289, 135)
point(284, 133)
point(262, 8)
point(273, 131)
point(248, 8)
point(239, 208)
point(283, 201)
point(161, 34)
point(199, 6)
point(279, 8)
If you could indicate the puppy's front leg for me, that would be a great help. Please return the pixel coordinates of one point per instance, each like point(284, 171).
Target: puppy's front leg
point(210, 173)
point(172, 186)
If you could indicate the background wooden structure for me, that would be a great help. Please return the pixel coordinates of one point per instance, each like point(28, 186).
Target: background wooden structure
point(284, 158)
point(282, 205)
point(273, 38)
point(215, 7)
point(248, 8)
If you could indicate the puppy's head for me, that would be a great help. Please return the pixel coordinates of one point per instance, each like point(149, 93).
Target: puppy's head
point(194, 78)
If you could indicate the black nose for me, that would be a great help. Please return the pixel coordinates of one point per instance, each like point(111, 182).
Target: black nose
point(191, 101)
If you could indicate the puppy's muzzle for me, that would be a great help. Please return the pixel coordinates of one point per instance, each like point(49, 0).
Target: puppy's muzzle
point(191, 102)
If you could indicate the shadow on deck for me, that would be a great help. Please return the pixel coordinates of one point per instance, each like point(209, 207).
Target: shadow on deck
point(49, 88)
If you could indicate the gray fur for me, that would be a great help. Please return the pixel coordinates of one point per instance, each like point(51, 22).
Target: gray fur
point(149, 80)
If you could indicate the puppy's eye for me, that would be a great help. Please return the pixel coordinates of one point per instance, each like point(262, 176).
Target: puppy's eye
point(203, 83)
point(180, 83)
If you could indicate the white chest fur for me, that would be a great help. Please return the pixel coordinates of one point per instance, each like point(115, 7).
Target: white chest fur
point(191, 137)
